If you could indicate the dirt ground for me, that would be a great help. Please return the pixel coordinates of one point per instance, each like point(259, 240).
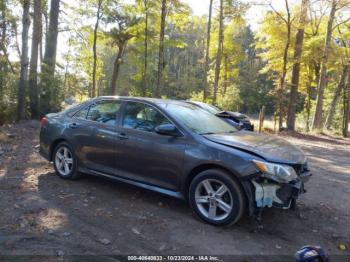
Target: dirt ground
point(42, 214)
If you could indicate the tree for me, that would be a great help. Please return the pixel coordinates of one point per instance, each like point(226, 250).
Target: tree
point(254, 86)
point(346, 114)
point(23, 82)
point(339, 88)
point(323, 74)
point(6, 20)
point(33, 75)
point(206, 65)
point(51, 39)
point(94, 48)
point(49, 99)
point(296, 66)
point(219, 51)
point(161, 49)
point(145, 62)
point(280, 90)
point(120, 36)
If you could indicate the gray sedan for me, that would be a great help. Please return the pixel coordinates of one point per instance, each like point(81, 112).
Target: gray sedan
point(178, 149)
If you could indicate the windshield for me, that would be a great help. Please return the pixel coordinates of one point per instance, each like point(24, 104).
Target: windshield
point(211, 109)
point(197, 119)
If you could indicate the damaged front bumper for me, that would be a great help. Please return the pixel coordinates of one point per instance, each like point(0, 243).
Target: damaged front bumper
point(280, 195)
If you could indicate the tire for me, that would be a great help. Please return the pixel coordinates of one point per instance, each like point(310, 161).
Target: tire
point(228, 202)
point(69, 168)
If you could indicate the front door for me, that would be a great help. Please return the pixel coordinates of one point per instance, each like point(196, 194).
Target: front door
point(145, 155)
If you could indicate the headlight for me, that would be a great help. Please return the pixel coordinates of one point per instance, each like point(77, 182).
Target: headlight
point(279, 173)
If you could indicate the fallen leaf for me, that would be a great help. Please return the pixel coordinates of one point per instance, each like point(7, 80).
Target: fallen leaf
point(135, 231)
point(342, 247)
point(104, 241)
point(278, 246)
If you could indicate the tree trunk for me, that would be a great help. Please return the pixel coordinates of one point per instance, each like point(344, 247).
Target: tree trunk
point(51, 38)
point(336, 97)
point(280, 92)
point(2, 40)
point(206, 65)
point(46, 23)
point(317, 123)
point(3, 45)
point(161, 50)
point(94, 49)
point(145, 65)
point(116, 67)
point(219, 51)
point(23, 81)
point(308, 103)
point(317, 68)
point(346, 115)
point(296, 66)
point(225, 76)
point(33, 75)
point(49, 98)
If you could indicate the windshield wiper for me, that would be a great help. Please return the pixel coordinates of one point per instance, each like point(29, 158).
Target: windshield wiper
point(207, 133)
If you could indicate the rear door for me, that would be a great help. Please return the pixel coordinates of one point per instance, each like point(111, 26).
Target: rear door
point(145, 155)
point(94, 130)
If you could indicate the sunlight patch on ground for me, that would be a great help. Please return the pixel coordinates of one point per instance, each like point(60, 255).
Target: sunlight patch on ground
point(51, 219)
point(2, 173)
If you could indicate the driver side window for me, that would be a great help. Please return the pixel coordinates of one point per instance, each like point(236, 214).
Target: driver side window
point(143, 117)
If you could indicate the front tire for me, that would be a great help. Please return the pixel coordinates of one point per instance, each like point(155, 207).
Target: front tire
point(216, 197)
point(65, 162)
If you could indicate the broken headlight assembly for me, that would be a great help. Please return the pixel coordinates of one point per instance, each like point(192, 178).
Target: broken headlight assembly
point(277, 172)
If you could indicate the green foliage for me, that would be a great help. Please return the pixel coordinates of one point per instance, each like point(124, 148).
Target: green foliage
point(250, 69)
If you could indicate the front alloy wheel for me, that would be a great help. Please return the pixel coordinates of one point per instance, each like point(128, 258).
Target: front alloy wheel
point(216, 197)
point(213, 199)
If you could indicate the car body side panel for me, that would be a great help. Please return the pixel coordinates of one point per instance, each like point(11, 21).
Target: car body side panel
point(80, 138)
point(152, 158)
point(101, 153)
point(209, 153)
point(49, 134)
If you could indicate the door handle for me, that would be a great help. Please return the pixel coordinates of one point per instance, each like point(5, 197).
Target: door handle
point(122, 136)
point(73, 125)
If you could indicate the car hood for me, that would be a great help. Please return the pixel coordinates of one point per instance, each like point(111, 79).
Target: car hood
point(270, 148)
point(233, 115)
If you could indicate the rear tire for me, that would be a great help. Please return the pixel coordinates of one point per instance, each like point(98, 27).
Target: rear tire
point(216, 197)
point(65, 162)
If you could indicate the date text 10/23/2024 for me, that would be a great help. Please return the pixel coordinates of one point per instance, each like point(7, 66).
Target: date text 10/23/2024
point(173, 258)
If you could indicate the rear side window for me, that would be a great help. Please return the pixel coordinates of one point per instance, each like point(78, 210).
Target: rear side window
point(82, 113)
point(104, 112)
point(143, 117)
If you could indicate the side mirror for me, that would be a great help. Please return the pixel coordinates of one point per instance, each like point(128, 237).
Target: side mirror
point(167, 130)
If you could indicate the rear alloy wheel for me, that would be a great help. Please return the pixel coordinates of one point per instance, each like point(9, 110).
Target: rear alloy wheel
point(65, 163)
point(216, 197)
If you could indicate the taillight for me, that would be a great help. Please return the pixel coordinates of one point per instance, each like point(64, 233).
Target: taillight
point(43, 121)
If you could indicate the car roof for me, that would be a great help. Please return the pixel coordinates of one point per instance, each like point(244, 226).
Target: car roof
point(197, 103)
point(143, 99)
